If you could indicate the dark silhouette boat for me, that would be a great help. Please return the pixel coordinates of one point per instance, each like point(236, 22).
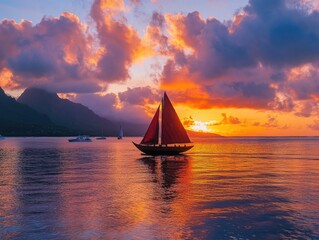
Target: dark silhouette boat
point(100, 138)
point(173, 138)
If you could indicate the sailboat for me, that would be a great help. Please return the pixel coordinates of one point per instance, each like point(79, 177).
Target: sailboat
point(120, 135)
point(174, 138)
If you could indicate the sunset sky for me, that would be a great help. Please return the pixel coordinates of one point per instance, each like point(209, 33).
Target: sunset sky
point(229, 67)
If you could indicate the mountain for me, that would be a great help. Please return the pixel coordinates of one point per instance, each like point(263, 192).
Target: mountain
point(74, 115)
point(17, 119)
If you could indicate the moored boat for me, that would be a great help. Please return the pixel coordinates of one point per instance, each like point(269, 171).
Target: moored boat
point(80, 139)
point(100, 138)
point(173, 140)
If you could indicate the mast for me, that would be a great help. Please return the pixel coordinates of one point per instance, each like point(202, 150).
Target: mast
point(161, 121)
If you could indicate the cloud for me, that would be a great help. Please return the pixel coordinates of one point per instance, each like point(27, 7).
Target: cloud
point(314, 125)
point(155, 36)
point(52, 54)
point(140, 96)
point(108, 106)
point(120, 43)
point(256, 124)
point(188, 122)
point(267, 57)
point(246, 62)
point(228, 120)
point(307, 109)
point(286, 36)
point(303, 81)
point(132, 105)
point(64, 55)
point(272, 122)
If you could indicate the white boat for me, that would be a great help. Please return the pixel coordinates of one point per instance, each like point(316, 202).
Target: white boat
point(120, 135)
point(80, 139)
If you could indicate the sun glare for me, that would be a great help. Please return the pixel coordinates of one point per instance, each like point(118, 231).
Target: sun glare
point(200, 127)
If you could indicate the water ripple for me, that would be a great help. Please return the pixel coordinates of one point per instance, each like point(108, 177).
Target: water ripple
point(234, 188)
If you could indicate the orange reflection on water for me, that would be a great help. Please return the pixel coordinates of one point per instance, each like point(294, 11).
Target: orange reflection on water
point(222, 188)
point(170, 177)
point(122, 195)
point(8, 194)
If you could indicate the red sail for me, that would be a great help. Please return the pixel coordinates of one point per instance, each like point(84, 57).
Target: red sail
point(173, 130)
point(151, 135)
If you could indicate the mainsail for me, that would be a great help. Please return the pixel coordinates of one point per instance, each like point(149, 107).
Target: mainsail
point(172, 128)
point(151, 135)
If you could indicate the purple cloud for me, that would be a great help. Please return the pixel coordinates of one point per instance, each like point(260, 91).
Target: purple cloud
point(140, 96)
point(51, 54)
point(121, 43)
point(246, 62)
point(314, 125)
point(131, 104)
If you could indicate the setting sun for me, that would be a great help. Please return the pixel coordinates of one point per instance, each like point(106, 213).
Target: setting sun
point(200, 127)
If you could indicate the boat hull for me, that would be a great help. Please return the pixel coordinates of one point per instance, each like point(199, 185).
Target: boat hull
point(75, 140)
point(100, 138)
point(79, 140)
point(162, 149)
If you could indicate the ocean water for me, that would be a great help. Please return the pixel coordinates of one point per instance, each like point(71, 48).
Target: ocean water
point(229, 188)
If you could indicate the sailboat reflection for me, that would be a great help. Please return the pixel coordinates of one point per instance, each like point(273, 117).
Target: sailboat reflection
point(168, 171)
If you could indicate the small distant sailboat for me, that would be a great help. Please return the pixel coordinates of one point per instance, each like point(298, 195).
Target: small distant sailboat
point(81, 139)
point(174, 138)
point(120, 135)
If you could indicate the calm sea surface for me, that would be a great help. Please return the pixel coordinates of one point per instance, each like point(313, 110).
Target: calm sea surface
point(232, 188)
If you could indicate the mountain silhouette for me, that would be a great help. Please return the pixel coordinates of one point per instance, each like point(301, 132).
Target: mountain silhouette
point(74, 116)
point(17, 119)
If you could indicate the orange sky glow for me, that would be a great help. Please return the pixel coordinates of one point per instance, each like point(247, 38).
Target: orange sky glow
point(233, 74)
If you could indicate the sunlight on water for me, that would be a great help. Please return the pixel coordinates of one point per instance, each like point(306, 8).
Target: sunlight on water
point(229, 188)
